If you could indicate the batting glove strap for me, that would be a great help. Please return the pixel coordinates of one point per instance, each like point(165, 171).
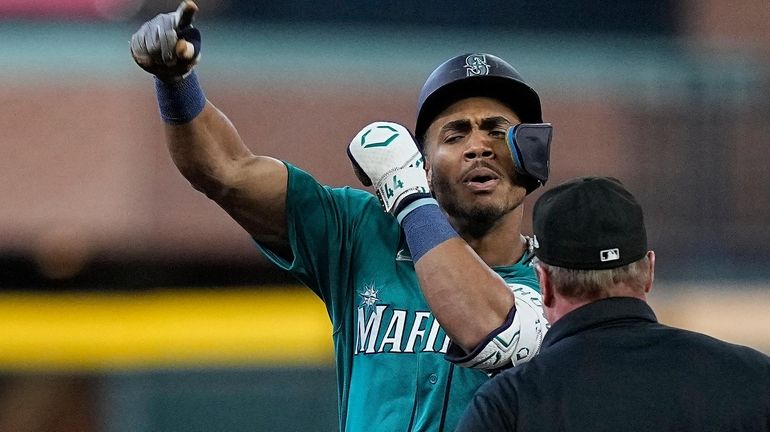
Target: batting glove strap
point(399, 187)
point(412, 203)
point(517, 341)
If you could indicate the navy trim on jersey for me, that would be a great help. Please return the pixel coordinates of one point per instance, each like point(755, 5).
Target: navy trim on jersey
point(446, 397)
point(457, 354)
point(414, 409)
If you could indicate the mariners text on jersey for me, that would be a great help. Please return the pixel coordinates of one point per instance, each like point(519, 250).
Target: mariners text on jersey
point(384, 329)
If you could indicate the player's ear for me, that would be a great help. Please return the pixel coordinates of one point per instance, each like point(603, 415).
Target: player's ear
point(425, 149)
point(426, 164)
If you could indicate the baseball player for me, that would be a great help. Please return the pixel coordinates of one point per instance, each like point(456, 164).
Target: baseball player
point(389, 338)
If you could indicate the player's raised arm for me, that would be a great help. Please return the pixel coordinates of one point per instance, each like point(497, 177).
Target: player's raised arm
point(203, 143)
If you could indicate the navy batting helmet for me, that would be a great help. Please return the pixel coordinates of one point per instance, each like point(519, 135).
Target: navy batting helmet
point(486, 75)
point(471, 75)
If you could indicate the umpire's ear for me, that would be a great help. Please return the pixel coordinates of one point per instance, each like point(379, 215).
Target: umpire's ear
point(648, 283)
point(546, 288)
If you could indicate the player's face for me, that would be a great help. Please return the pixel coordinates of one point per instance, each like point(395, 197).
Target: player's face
point(470, 167)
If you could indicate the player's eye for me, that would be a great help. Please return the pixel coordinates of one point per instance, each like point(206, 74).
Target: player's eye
point(453, 138)
point(497, 133)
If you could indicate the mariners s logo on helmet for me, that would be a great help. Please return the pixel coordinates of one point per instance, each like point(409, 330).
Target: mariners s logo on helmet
point(476, 64)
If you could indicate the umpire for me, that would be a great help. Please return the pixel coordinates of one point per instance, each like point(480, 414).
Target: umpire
point(606, 363)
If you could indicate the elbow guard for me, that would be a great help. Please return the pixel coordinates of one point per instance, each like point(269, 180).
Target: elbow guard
point(513, 343)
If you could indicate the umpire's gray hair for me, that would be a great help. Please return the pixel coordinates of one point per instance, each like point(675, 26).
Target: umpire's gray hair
point(596, 284)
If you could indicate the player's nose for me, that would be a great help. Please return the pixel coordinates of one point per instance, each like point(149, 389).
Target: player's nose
point(478, 147)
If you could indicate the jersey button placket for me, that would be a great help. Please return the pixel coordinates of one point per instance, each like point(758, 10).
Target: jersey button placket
point(433, 378)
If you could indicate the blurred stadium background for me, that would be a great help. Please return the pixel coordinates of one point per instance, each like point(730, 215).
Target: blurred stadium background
point(129, 302)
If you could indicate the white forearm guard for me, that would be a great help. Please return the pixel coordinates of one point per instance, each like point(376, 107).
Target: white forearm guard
point(515, 342)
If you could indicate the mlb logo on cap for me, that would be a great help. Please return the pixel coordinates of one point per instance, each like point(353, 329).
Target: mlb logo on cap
point(609, 255)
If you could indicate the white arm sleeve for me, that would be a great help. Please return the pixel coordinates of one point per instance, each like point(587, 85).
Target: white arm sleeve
point(513, 343)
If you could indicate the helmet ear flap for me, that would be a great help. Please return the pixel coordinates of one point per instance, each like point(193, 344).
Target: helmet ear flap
point(530, 145)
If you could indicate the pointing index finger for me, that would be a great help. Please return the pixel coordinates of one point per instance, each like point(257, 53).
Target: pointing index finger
point(184, 13)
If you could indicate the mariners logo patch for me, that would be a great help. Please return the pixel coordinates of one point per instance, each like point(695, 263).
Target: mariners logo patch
point(476, 64)
point(369, 296)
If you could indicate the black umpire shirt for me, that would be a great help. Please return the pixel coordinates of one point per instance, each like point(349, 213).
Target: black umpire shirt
point(610, 366)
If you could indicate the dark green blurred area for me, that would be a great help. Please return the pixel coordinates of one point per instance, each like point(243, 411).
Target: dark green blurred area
point(270, 399)
point(191, 400)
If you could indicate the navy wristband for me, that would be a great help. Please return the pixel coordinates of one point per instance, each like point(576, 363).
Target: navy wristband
point(180, 102)
point(425, 227)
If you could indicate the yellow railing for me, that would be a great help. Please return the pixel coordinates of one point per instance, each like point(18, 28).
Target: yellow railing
point(163, 328)
point(268, 326)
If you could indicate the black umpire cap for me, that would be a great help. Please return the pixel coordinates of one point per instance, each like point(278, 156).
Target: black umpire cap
point(589, 223)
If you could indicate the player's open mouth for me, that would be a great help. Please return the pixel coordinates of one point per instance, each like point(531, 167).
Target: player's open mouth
point(481, 180)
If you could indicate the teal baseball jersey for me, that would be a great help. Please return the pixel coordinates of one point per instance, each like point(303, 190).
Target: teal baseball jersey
point(389, 349)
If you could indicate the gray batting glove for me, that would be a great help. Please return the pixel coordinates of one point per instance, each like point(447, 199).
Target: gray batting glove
point(168, 46)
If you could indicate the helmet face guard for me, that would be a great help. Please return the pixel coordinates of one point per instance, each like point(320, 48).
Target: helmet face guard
point(530, 145)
